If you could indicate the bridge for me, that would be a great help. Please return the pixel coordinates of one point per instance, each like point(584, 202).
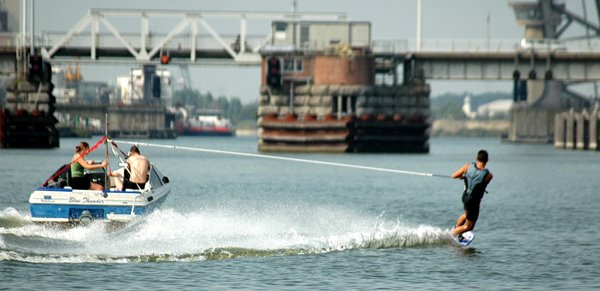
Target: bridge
point(206, 37)
point(192, 40)
point(499, 60)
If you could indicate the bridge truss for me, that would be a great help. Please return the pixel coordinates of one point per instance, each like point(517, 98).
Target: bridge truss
point(105, 35)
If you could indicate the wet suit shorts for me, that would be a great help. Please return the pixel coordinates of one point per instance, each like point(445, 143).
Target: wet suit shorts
point(135, 186)
point(471, 206)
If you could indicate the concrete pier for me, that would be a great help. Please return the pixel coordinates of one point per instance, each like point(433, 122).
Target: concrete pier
point(577, 130)
point(581, 134)
point(570, 131)
point(593, 130)
point(559, 131)
point(125, 121)
point(27, 121)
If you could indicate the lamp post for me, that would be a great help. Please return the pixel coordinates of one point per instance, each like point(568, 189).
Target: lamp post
point(419, 8)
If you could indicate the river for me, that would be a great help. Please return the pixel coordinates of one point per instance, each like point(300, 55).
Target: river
point(236, 222)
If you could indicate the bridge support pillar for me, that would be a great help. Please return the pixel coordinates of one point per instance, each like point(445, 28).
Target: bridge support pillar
point(582, 136)
point(559, 130)
point(28, 120)
point(532, 120)
point(579, 130)
point(593, 129)
point(570, 130)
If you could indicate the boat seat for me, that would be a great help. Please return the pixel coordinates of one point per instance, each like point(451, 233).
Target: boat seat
point(60, 181)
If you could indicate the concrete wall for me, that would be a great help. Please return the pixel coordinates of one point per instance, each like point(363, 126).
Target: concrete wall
point(577, 130)
point(356, 70)
point(531, 125)
point(534, 120)
point(327, 69)
point(136, 118)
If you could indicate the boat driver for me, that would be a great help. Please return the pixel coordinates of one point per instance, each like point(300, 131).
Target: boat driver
point(78, 178)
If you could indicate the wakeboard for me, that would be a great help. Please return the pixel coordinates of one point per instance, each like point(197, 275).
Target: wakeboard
point(464, 239)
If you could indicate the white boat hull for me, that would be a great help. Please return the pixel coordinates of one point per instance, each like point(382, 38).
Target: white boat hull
point(67, 205)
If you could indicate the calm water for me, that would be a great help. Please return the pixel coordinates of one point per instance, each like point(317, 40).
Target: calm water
point(240, 222)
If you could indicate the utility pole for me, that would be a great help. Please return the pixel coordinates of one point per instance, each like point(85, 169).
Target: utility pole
point(419, 7)
point(32, 29)
point(487, 21)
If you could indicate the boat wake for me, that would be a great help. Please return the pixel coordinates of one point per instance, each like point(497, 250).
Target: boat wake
point(10, 217)
point(167, 235)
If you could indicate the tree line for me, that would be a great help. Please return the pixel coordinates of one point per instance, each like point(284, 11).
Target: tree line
point(449, 105)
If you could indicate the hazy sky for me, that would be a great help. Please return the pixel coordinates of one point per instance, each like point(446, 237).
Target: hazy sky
point(390, 19)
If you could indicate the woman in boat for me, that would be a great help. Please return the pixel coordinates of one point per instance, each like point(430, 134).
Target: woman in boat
point(78, 179)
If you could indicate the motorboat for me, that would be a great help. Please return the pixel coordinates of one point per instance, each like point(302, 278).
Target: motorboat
point(56, 201)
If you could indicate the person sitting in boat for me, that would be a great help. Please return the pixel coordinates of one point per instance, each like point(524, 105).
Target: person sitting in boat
point(137, 174)
point(138, 170)
point(118, 181)
point(78, 178)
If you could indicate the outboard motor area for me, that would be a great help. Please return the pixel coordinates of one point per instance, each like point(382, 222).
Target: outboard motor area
point(85, 216)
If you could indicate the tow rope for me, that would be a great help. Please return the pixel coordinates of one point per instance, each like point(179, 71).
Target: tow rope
point(284, 159)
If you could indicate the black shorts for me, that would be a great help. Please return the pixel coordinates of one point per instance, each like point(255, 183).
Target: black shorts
point(135, 186)
point(472, 211)
point(471, 206)
point(81, 183)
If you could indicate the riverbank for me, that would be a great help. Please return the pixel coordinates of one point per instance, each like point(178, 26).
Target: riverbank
point(471, 128)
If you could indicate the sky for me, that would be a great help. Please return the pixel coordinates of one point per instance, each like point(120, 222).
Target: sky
point(390, 20)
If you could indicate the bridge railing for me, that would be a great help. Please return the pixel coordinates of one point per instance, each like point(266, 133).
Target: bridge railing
point(256, 42)
point(469, 45)
point(183, 42)
point(8, 40)
point(390, 46)
point(484, 45)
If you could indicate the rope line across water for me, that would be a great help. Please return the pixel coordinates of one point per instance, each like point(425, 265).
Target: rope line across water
point(404, 172)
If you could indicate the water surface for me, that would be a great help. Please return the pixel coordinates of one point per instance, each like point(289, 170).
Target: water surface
point(243, 222)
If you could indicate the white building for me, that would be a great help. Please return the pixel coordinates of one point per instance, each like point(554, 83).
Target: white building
point(467, 109)
point(495, 108)
point(130, 89)
point(488, 110)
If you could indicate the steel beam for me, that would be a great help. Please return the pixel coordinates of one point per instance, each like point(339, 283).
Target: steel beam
point(576, 67)
point(83, 22)
point(111, 46)
point(119, 37)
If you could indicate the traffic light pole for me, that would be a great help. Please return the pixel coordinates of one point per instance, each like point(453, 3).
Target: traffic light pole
point(32, 29)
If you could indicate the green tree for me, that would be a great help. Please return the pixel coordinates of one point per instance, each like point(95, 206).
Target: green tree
point(186, 97)
point(234, 109)
point(249, 111)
